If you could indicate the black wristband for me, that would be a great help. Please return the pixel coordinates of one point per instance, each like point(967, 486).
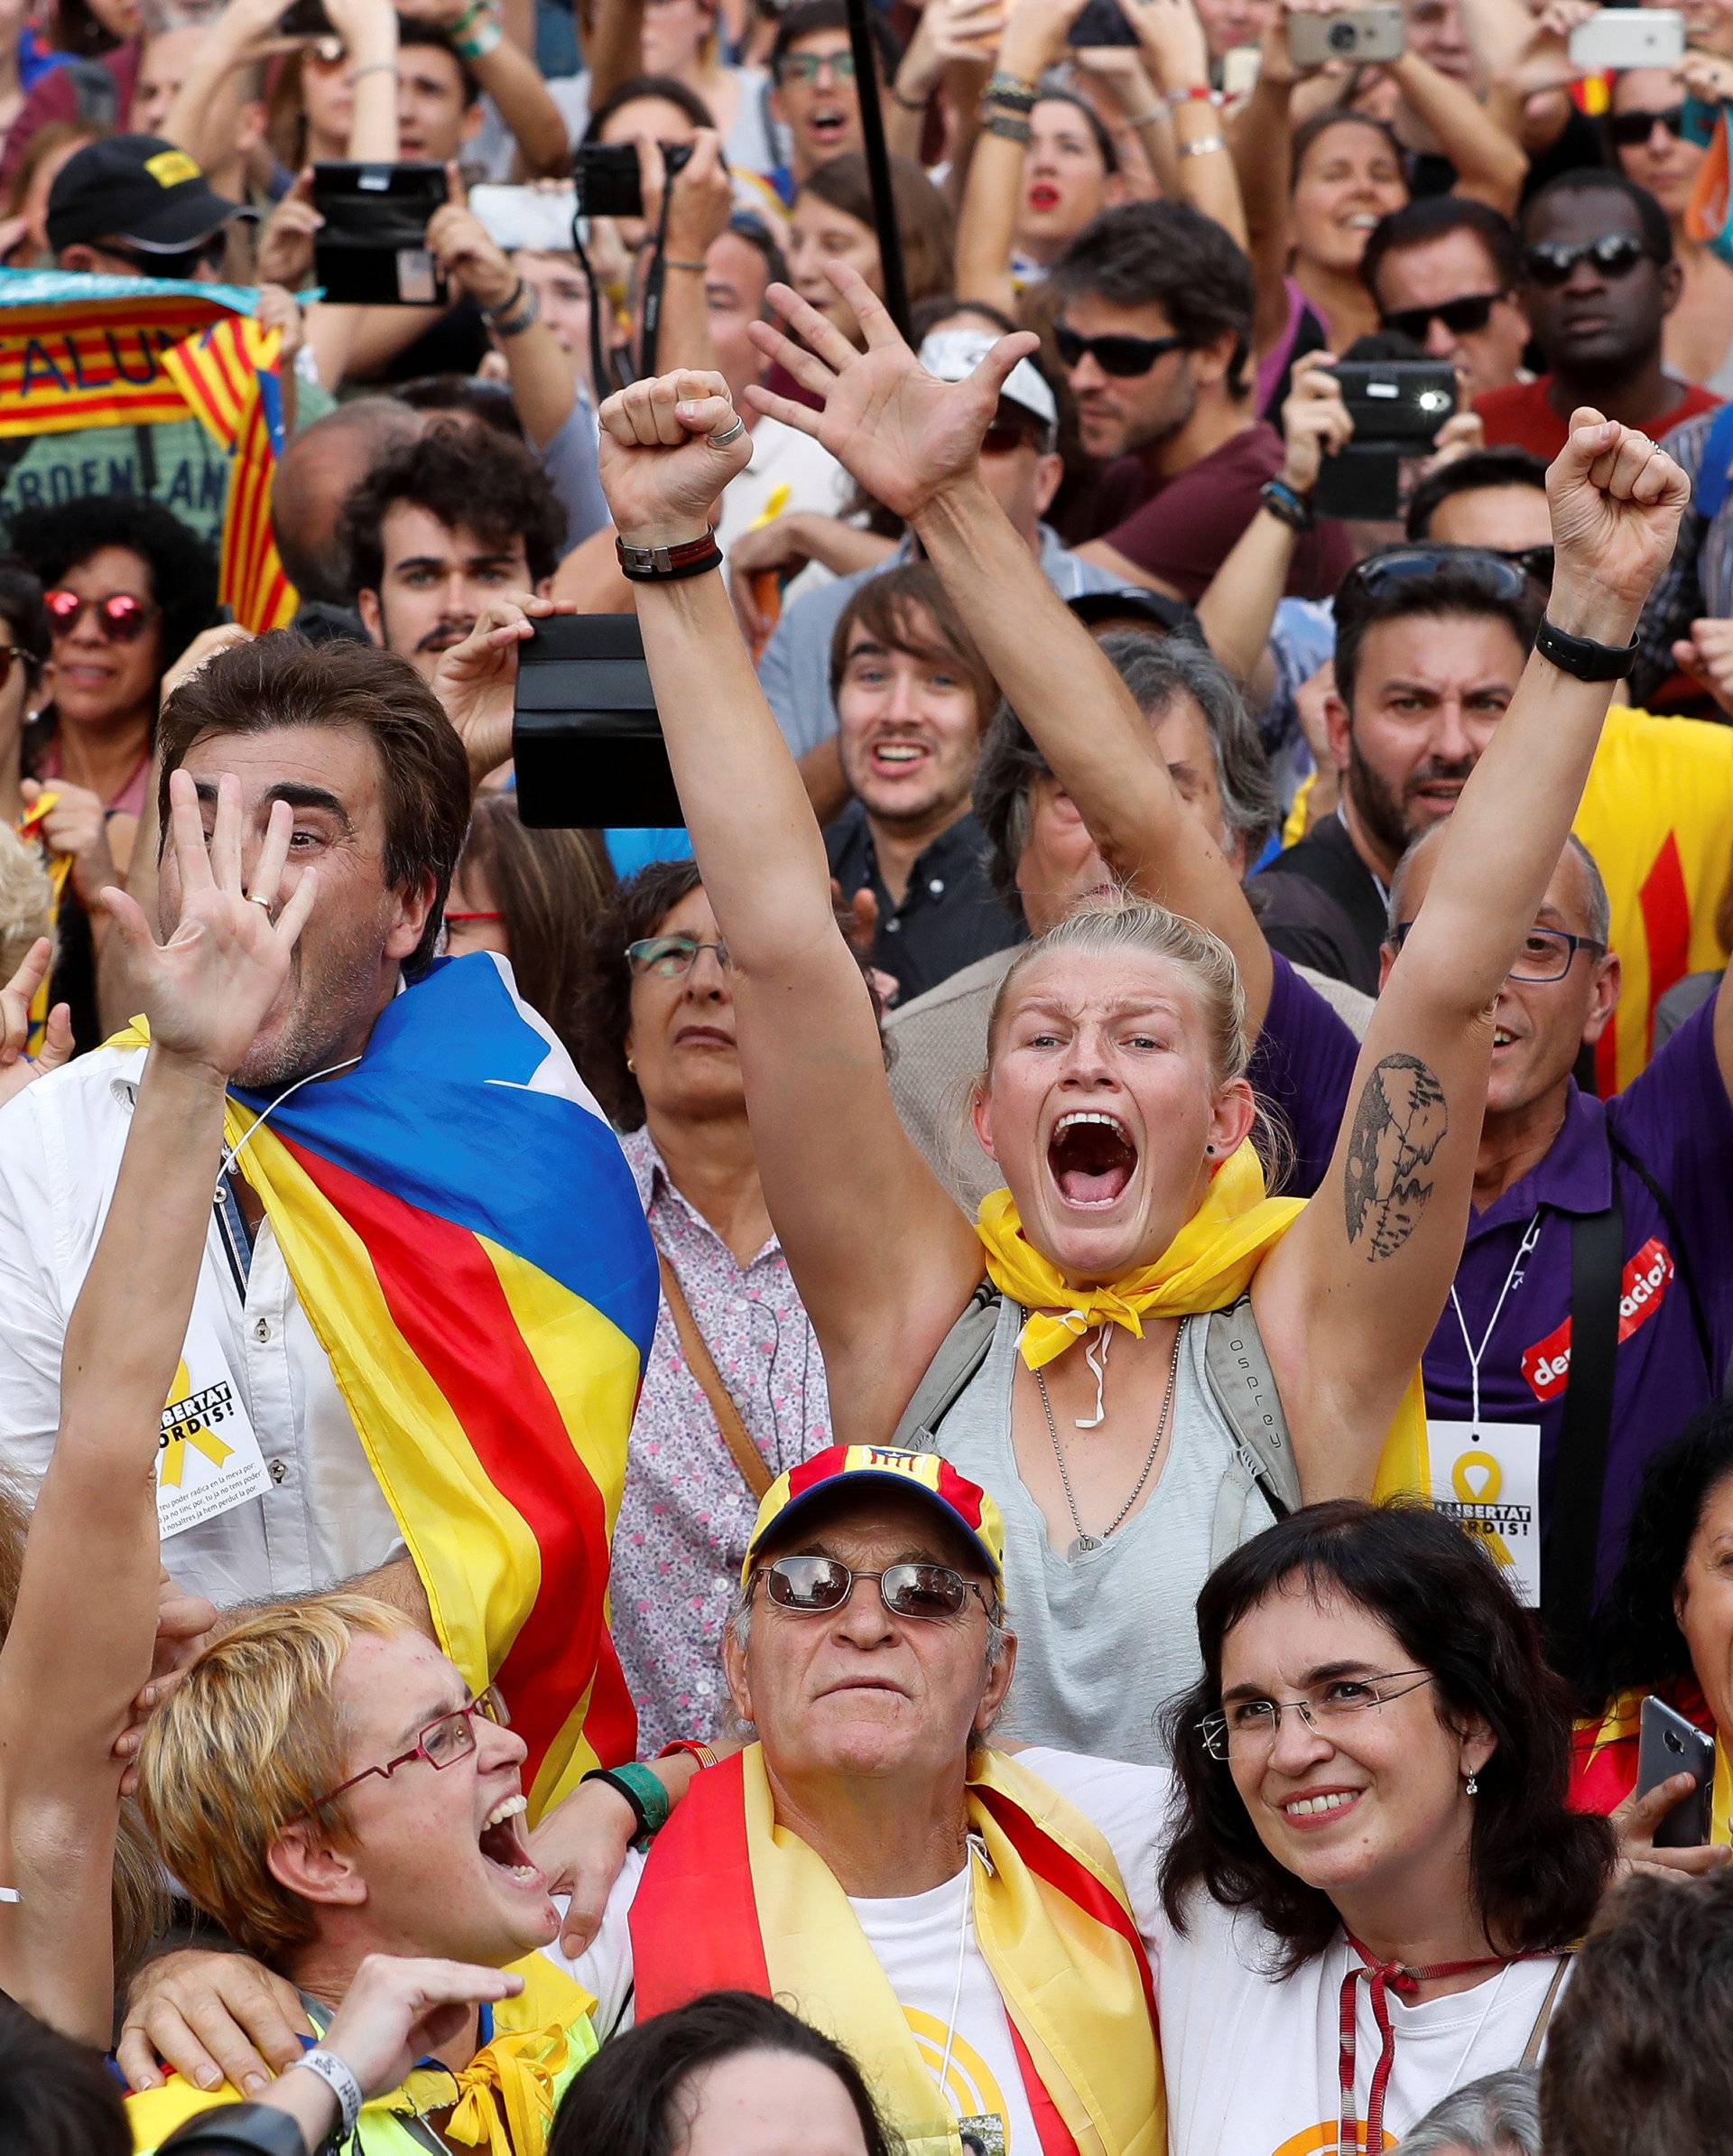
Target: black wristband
point(668, 565)
point(227, 2128)
point(621, 1787)
point(1287, 507)
point(1582, 657)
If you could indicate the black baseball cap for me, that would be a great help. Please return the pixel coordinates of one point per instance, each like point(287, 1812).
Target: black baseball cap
point(1135, 608)
point(138, 189)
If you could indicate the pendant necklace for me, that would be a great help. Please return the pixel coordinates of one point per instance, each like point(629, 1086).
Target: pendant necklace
point(1083, 1542)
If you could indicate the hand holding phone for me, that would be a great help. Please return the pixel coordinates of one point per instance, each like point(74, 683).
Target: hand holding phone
point(1352, 34)
point(1667, 1745)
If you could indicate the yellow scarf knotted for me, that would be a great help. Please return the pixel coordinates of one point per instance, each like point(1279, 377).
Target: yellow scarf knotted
point(1209, 1264)
point(507, 2092)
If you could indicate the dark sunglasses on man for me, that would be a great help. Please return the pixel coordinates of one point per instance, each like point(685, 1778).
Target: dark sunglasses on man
point(1122, 357)
point(1629, 130)
point(1503, 575)
point(1461, 317)
point(121, 618)
point(1549, 262)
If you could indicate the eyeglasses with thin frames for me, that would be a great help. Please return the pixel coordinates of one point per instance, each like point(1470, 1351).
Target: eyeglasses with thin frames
point(442, 1743)
point(807, 67)
point(670, 957)
point(1547, 954)
point(1249, 1728)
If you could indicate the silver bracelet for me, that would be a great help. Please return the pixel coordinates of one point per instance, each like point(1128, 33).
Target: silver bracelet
point(337, 2077)
point(1202, 147)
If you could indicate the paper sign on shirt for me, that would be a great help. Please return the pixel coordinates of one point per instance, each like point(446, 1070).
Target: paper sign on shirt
point(1487, 1477)
point(208, 1459)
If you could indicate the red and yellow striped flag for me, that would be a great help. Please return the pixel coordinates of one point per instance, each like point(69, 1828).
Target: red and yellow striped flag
point(229, 377)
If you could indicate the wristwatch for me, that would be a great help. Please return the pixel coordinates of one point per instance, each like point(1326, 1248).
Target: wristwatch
point(1582, 657)
point(658, 564)
point(1287, 507)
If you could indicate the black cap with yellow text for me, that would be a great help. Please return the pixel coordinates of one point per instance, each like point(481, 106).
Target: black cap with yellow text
point(139, 189)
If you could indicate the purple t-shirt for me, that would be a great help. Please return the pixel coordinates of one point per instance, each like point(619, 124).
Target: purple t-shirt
point(1302, 1069)
point(1675, 1119)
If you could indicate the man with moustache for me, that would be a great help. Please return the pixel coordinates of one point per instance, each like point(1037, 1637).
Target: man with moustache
point(1154, 329)
point(445, 522)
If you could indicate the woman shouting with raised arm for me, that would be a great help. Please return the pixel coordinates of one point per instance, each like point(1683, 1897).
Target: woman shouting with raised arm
point(1115, 1100)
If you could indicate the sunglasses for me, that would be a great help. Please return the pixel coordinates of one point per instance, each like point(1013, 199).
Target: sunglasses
point(121, 618)
point(807, 67)
point(1005, 435)
point(1461, 317)
point(1122, 357)
point(1549, 262)
point(812, 1586)
point(1630, 130)
point(1501, 575)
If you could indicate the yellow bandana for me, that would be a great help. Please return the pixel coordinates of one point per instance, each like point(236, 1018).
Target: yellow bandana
point(1209, 1264)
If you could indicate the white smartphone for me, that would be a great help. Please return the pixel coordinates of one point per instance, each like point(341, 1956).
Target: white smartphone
point(1239, 70)
point(527, 217)
point(1629, 37)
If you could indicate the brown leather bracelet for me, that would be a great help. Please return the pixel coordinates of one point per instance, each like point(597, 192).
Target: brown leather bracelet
point(661, 565)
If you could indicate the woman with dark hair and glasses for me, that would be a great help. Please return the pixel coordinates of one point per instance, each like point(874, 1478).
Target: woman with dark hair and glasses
point(1372, 1877)
point(735, 1391)
point(730, 2075)
point(1645, 133)
point(126, 589)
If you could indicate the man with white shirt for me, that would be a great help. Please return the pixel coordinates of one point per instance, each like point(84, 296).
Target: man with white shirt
point(380, 789)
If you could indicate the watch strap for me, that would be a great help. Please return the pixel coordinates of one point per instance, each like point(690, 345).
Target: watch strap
point(1287, 507)
point(651, 564)
point(1581, 656)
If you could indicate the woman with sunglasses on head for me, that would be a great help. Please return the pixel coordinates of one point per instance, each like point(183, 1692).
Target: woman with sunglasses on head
point(1643, 126)
point(1370, 1878)
point(127, 588)
point(1115, 1100)
point(734, 1389)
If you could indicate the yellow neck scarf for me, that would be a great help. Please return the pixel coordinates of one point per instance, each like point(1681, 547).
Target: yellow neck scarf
point(1209, 1264)
point(507, 2097)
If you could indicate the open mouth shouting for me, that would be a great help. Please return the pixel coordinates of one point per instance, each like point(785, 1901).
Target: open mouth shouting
point(502, 1845)
point(1091, 1157)
point(898, 755)
point(828, 126)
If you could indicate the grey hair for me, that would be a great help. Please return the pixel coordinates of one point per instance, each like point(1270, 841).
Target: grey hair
point(1497, 2115)
point(1155, 669)
point(738, 1626)
point(1601, 906)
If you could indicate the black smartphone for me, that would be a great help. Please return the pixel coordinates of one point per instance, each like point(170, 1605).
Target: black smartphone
point(1399, 402)
point(586, 739)
point(307, 18)
point(372, 248)
point(1102, 22)
point(1667, 1745)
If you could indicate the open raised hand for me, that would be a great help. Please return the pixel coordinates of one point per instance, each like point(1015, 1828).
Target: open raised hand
point(1615, 500)
point(16, 1069)
point(207, 990)
point(660, 466)
point(904, 434)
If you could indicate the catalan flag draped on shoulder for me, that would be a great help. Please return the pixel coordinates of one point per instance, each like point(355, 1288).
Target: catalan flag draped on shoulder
point(1051, 1916)
point(466, 1240)
point(229, 376)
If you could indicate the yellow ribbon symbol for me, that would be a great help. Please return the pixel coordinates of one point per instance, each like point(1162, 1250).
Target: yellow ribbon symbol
point(1488, 1494)
point(180, 1431)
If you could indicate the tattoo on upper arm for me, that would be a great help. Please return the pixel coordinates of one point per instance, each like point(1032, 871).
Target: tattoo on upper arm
point(1398, 1128)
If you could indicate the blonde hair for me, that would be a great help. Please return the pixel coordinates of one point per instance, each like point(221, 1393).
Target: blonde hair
point(26, 900)
point(1112, 928)
point(250, 1740)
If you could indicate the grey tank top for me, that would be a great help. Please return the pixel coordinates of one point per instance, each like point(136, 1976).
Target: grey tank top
point(1103, 1644)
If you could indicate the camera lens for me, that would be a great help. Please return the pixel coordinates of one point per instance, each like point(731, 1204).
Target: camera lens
point(1343, 37)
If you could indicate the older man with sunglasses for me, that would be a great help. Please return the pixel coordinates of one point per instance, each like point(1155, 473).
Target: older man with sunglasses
point(970, 1925)
point(1599, 281)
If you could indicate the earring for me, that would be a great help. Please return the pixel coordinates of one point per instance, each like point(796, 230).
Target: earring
point(1474, 1785)
point(1210, 1150)
point(630, 1065)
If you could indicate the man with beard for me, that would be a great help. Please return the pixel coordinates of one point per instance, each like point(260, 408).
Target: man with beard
point(363, 1303)
point(1425, 664)
point(443, 523)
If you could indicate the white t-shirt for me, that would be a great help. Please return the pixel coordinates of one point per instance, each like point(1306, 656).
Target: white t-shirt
point(917, 1938)
point(1250, 2062)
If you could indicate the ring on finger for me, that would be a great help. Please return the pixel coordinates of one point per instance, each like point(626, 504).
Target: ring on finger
point(731, 432)
point(257, 898)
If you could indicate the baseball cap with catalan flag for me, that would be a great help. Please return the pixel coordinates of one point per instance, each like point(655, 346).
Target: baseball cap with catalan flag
point(965, 1504)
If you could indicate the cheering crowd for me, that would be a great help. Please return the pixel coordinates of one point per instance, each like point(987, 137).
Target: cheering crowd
point(973, 1405)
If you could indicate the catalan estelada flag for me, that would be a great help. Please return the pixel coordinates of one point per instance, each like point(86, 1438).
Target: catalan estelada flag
point(229, 376)
point(1052, 1919)
point(466, 1240)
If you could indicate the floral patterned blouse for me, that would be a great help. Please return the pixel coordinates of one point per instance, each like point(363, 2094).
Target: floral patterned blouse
point(687, 1512)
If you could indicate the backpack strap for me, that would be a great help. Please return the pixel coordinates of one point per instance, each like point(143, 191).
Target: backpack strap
point(961, 1355)
point(1714, 476)
point(1237, 1366)
point(695, 1348)
point(1537, 2035)
point(1572, 1546)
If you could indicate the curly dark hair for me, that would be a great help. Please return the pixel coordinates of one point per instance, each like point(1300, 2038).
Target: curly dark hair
point(1636, 1639)
point(1537, 1870)
point(465, 476)
point(55, 538)
point(601, 996)
point(626, 2100)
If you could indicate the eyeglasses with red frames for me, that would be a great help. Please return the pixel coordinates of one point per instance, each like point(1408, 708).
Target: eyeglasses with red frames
point(442, 1742)
point(121, 618)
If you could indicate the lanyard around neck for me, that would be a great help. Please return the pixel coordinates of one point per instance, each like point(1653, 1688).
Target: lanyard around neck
point(1475, 1355)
